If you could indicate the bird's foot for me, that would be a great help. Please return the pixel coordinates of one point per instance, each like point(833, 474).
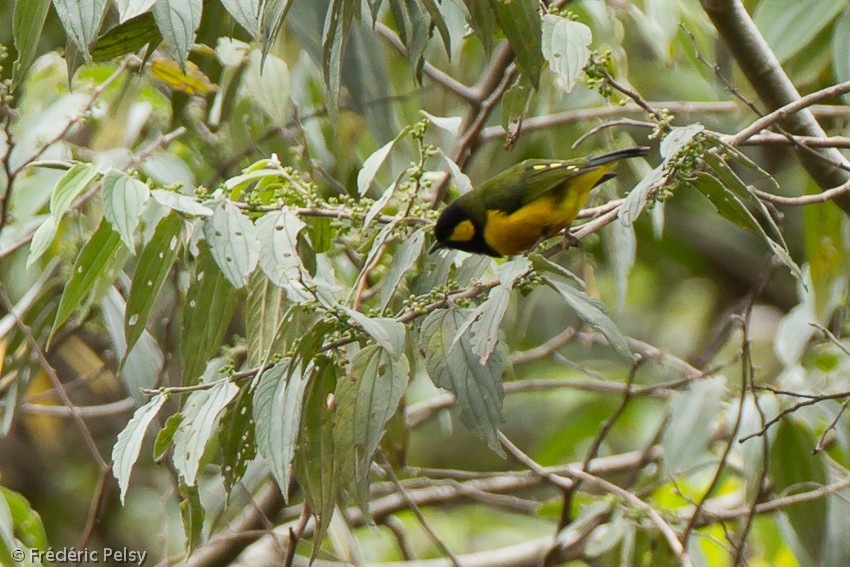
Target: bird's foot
point(571, 240)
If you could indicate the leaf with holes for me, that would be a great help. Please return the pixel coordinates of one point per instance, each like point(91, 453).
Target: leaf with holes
point(200, 418)
point(129, 443)
point(365, 400)
point(99, 260)
point(155, 261)
point(452, 365)
point(279, 260)
point(233, 242)
point(124, 199)
point(278, 400)
point(566, 46)
point(237, 439)
point(314, 456)
point(207, 311)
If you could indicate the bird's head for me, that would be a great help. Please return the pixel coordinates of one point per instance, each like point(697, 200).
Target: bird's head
point(458, 229)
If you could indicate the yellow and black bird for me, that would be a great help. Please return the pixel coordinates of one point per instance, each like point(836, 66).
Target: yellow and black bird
point(524, 204)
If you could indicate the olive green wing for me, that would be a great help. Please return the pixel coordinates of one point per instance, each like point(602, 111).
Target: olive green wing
point(526, 181)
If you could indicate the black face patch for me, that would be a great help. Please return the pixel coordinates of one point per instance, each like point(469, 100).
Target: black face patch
point(450, 219)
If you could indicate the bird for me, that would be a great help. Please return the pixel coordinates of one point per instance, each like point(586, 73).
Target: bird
point(525, 204)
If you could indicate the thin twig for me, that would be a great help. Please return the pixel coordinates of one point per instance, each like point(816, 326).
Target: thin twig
point(784, 111)
point(417, 512)
point(55, 381)
point(592, 453)
point(575, 473)
point(295, 533)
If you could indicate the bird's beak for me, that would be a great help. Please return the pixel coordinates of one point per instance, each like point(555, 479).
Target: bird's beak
point(436, 246)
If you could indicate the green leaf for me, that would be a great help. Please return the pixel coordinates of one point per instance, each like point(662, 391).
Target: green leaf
point(482, 19)
point(334, 35)
point(452, 365)
point(795, 468)
point(621, 246)
point(129, 443)
point(166, 435)
point(267, 83)
point(413, 28)
point(278, 400)
point(81, 20)
point(592, 312)
point(200, 418)
point(155, 261)
point(405, 257)
point(827, 255)
point(461, 181)
point(279, 259)
point(99, 260)
point(27, 23)
point(8, 542)
point(128, 9)
point(726, 203)
point(69, 187)
point(686, 437)
point(192, 514)
point(233, 242)
point(41, 240)
point(450, 124)
point(248, 13)
point(145, 361)
point(268, 320)
point(27, 524)
point(127, 37)
point(386, 331)
point(730, 206)
point(124, 200)
point(544, 264)
point(207, 311)
point(515, 101)
point(274, 13)
point(841, 50)
point(520, 21)
point(237, 439)
point(370, 167)
point(730, 180)
point(788, 27)
point(314, 457)
point(439, 22)
point(178, 20)
point(181, 203)
point(365, 401)
point(635, 201)
point(565, 46)
point(487, 318)
point(677, 138)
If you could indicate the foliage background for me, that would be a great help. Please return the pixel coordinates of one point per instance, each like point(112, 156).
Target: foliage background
point(234, 227)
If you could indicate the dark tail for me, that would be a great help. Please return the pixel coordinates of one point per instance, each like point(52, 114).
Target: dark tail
point(618, 154)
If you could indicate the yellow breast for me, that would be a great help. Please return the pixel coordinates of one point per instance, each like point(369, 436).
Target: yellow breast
point(514, 233)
